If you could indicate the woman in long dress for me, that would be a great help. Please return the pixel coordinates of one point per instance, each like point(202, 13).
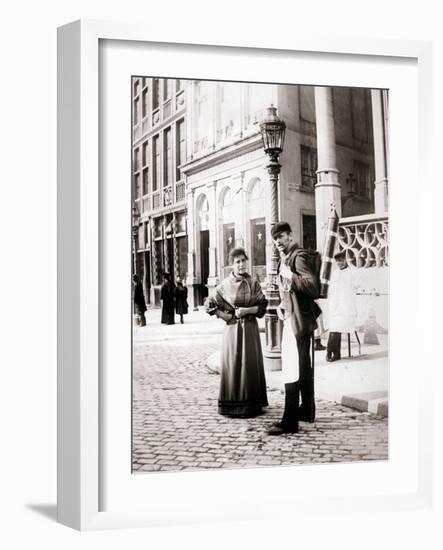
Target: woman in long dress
point(167, 297)
point(239, 300)
point(181, 300)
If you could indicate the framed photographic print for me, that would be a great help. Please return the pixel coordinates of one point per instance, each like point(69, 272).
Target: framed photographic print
point(213, 199)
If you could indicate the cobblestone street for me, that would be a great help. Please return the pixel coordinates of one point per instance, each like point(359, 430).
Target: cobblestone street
point(176, 425)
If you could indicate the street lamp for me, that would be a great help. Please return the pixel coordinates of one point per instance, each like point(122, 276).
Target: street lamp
point(135, 226)
point(272, 130)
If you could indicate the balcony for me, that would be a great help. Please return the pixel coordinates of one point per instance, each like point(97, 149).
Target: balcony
point(137, 132)
point(156, 200)
point(365, 239)
point(225, 132)
point(179, 191)
point(180, 100)
point(167, 195)
point(167, 109)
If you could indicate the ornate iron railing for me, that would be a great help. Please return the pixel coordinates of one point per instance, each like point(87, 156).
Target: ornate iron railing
point(180, 191)
point(167, 109)
point(167, 195)
point(365, 240)
point(180, 100)
point(156, 200)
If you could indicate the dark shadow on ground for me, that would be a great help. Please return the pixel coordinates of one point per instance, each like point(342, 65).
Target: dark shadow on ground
point(376, 355)
point(47, 510)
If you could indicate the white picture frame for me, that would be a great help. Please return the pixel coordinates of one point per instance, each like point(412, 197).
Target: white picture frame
point(80, 363)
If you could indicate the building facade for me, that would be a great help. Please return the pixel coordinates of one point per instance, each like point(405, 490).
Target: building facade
point(335, 151)
point(159, 198)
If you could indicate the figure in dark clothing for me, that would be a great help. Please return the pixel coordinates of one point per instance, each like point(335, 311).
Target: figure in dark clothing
point(167, 297)
point(181, 300)
point(139, 301)
point(299, 287)
point(239, 301)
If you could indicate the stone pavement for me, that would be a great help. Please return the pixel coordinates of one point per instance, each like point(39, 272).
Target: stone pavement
point(176, 425)
point(360, 381)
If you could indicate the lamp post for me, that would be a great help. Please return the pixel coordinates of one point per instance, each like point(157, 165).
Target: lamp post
point(135, 225)
point(272, 130)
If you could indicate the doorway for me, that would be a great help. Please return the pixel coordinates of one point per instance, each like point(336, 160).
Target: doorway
point(309, 232)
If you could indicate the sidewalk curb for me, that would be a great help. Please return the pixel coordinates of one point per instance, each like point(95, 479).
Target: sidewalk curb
point(374, 402)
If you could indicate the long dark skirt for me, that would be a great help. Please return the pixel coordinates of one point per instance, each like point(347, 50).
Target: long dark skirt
point(168, 316)
point(243, 383)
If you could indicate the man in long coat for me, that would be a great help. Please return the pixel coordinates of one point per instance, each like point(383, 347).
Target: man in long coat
point(139, 301)
point(299, 286)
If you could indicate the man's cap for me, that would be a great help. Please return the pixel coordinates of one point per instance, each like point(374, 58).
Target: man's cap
point(280, 227)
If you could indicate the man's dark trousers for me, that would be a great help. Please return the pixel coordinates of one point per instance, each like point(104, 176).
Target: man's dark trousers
point(306, 378)
point(333, 348)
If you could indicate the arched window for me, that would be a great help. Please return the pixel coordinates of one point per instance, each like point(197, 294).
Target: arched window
point(227, 197)
point(255, 190)
point(203, 212)
point(227, 226)
point(257, 228)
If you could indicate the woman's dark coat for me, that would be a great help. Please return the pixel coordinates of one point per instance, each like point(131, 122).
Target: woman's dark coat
point(181, 303)
point(167, 296)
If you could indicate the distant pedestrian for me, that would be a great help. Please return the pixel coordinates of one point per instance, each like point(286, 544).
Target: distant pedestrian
point(239, 300)
point(318, 333)
point(181, 300)
point(139, 301)
point(167, 297)
point(342, 305)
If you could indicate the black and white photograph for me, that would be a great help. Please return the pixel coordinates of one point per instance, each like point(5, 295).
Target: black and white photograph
point(225, 222)
point(260, 274)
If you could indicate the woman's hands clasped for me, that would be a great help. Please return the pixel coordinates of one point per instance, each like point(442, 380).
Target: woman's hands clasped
point(241, 312)
point(224, 315)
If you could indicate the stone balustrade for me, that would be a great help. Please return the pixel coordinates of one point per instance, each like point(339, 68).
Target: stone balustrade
point(365, 240)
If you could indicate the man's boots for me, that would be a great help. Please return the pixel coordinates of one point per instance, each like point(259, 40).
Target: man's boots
point(318, 346)
point(306, 412)
point(289, 421)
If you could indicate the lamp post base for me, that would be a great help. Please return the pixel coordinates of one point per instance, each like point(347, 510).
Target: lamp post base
point(273, 329)
point(272, 363)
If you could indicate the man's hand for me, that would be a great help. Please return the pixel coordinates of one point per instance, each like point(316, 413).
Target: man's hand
point(280, 314)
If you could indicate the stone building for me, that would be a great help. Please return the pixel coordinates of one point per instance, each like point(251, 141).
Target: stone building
point(159, 150)
point(335, 151)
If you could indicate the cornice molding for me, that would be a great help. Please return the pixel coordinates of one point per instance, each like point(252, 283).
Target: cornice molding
point(219, 156)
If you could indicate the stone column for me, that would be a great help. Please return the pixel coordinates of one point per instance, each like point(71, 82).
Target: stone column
point(379, 121)
point(150, 256)
point(214, 106)
point(327, 189)
point(190, 279)
point(165, 248)
point(145, 226)
point(213, 280)
point(175, 246)
point(238, 200)
point(190, 120)
point(154, 264)
point(242, 108)
point(245, 219)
